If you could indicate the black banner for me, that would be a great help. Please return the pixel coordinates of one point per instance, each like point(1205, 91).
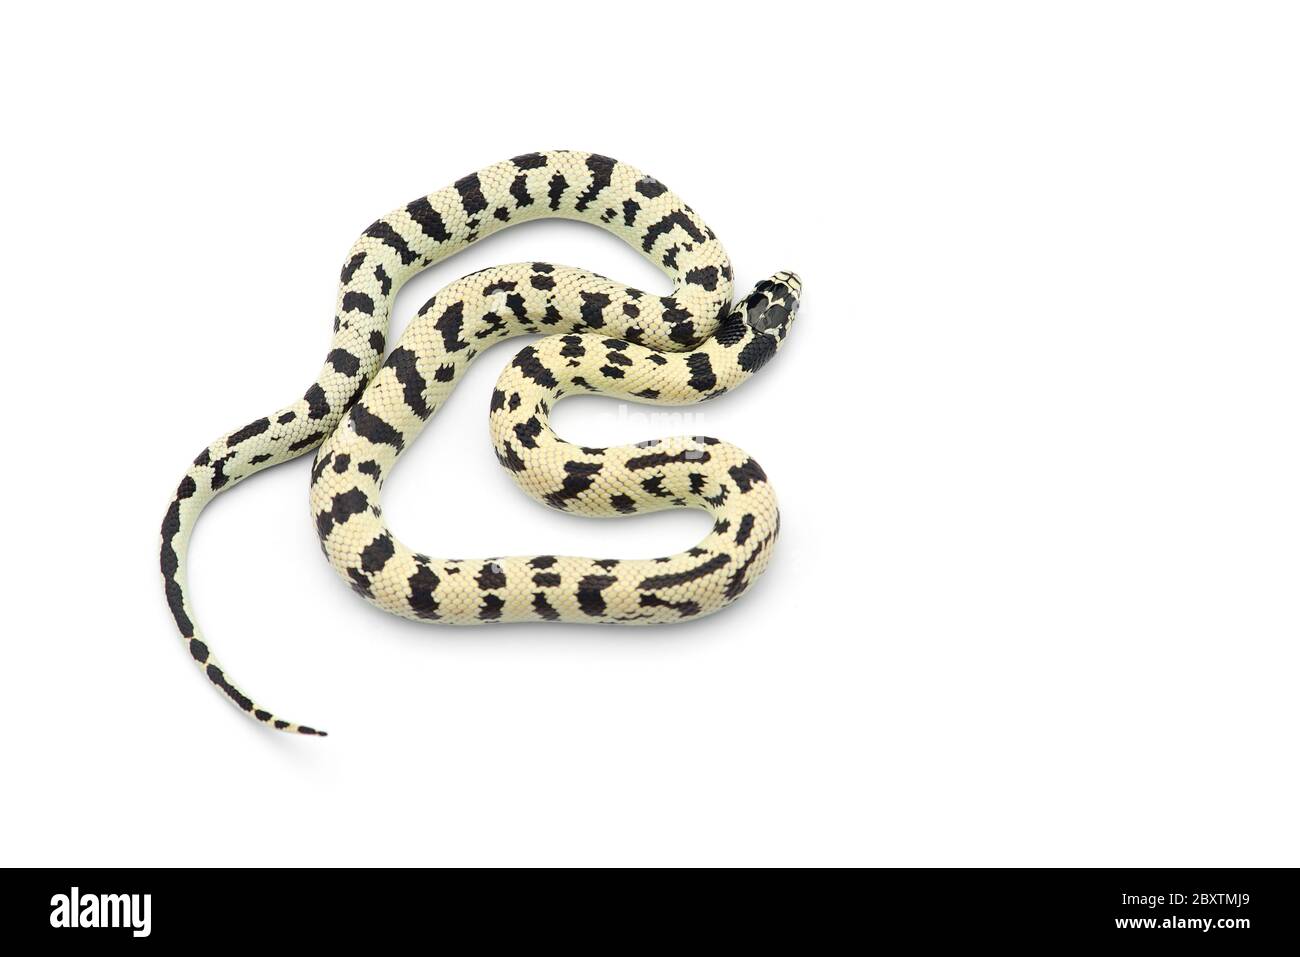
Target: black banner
point(137, 908)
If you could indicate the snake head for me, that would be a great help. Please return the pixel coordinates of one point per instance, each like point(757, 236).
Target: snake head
point(762, 320)
point(772, 306)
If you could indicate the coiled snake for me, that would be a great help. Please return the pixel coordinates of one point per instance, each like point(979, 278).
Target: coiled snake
point(603, 337)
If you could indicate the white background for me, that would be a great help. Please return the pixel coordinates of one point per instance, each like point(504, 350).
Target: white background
point(1034, 436)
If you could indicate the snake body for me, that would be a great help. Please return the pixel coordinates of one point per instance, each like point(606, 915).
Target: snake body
point(601, 337)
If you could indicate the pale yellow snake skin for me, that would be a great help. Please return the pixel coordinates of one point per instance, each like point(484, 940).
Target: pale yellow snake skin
point(602, 337)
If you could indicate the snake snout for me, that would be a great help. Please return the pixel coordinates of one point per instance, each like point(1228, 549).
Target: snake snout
point(772, 306)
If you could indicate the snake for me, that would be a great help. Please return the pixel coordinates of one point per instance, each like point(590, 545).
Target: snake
point(598, 337)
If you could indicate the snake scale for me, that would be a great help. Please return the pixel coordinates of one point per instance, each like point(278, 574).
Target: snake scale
point(599, 337)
